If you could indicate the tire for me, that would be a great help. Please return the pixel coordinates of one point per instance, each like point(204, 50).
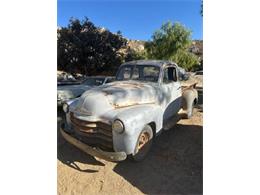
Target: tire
point(143, 144)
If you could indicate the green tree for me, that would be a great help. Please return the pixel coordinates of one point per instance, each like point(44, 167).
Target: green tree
point(87, 49)
point(171, 42)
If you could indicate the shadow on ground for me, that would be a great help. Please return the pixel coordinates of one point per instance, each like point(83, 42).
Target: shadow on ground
point(69, 154)
point(174, 165)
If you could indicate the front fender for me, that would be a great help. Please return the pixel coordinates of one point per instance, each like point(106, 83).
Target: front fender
point(134, 120)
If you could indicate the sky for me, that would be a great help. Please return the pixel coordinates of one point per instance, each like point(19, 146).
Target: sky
point(135, 19)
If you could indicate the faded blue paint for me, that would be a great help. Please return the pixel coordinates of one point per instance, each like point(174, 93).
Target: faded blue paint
point(134, 103)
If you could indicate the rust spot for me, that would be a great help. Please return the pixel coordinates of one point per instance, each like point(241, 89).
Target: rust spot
point(144, 138)
point(128, 85)
point(91, 127)
point(192, 86)
point(116, 106)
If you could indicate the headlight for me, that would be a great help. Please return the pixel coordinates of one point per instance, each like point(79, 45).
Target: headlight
point(65, 107)
point(118, 126)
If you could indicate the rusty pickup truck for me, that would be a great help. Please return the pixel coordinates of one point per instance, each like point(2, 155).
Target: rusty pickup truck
point(120, 119)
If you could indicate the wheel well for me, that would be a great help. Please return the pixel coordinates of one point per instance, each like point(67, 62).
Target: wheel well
point(153, 125)
point(195, 101)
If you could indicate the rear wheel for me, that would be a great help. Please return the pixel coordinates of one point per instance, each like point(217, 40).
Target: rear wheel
point(143, 144)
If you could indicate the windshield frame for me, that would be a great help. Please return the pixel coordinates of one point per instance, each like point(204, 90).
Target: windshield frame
point(136, 66)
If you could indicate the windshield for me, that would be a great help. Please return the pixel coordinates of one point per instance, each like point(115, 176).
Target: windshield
point(139, 72)
point(93, 81)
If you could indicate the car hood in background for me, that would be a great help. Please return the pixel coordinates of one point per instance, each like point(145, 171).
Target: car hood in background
point(72, 90)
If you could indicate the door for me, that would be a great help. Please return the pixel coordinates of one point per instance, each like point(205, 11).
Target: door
point(171, 92)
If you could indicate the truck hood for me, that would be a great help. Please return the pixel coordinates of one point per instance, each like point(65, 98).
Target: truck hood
point(99, 100)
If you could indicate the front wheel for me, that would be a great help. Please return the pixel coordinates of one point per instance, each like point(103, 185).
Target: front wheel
point(143, 144)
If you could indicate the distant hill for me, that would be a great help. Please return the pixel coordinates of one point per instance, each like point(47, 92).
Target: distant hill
point(196, 47)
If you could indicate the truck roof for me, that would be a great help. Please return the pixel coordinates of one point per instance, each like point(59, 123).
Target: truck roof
point(158, 63)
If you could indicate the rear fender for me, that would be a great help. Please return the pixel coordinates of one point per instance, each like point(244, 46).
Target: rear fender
point(189, 96)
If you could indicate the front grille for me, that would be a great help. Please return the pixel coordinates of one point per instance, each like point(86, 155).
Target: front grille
point(96, 134)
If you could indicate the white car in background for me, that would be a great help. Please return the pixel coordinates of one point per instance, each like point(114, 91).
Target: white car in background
point(71, 91)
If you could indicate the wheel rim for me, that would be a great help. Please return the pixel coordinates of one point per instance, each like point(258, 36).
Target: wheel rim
point(143, 139)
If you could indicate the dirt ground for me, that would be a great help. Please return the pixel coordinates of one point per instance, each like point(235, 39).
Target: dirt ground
point(174, 166)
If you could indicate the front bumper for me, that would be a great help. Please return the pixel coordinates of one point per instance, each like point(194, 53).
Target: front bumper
point(93, 151)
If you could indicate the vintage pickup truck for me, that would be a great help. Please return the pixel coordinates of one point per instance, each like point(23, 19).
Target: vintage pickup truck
point(120, 119)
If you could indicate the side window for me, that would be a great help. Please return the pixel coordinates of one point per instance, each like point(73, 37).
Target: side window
point(127, 73)
point(151, 73)
point(169, 75)
point(135, 73)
